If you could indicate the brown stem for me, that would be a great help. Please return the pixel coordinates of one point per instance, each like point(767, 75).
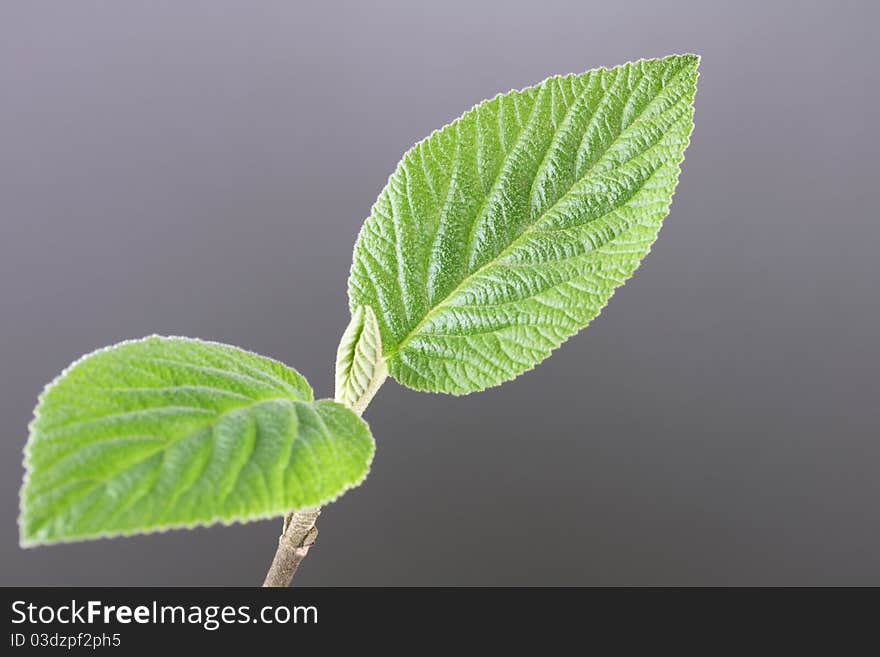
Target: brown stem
point(297, 536)
point(299, 532)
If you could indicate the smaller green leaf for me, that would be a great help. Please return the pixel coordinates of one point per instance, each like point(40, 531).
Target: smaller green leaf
point(173, 432)
point(360, 368)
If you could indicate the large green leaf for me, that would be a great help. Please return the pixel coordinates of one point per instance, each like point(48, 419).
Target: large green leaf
point(507, 231)
point(170, 432)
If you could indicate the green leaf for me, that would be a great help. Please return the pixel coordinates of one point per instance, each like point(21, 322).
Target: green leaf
point(507, 231)
point(173, 432)
point(360, 368)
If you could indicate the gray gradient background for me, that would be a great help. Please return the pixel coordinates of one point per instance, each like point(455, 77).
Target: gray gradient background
point(202, 168)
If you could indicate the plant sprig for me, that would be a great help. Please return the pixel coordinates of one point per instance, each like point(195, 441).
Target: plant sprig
point(496, 239)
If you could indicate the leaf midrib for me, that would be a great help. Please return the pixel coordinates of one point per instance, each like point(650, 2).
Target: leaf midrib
point(170, 443)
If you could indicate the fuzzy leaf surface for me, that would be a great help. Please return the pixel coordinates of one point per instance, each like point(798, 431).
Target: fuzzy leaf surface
point(360, 368)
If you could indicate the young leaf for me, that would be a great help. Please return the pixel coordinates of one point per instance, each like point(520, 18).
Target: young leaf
point(360, 368)
point(173, 432)
point(507, 231)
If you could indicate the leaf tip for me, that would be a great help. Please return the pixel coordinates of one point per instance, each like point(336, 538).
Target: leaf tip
point(28, 536)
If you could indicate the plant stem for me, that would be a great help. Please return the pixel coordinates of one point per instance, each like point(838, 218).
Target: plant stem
point(296, 538)
point(299, 531)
